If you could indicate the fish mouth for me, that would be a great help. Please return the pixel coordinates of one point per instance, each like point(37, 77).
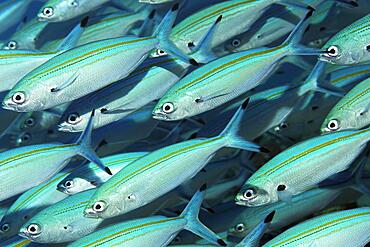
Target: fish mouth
point(89, 213)
point(25, 234)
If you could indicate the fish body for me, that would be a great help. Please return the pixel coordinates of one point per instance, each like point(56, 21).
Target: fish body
point(343, 228)
point(68, 75)
point(154, 230)
point(294, 170)
point(162, 170)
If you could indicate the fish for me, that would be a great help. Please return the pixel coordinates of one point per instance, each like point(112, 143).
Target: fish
point(90, 176)
point(270, 107)
point(294, 170)
point(124, 192)
point(351, 112)
point(349, 46)
point(192, 95)
point(30, 203)
point(25, 167)
point(152, 78)
point(16, 63)
point(343, 228)
point(60, 10)
point(26, 36)
point(61, 222)
point(67, 76)
point(301, 205)
point(155, 230)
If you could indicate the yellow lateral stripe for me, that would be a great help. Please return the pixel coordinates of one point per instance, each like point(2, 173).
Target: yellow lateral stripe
point(217, 12)
point(322, 226)
point(4, 56)
point(350, 75)
point(359, 29)
point(155, 162)
point(295, 157)
point(102, 240)
point(2, 162)
point(353, 99)
point(23, 243)
point(217, 69)
point(93, 52)
point(39, 190)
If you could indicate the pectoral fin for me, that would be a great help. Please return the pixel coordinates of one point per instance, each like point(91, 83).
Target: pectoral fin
point(67, 83)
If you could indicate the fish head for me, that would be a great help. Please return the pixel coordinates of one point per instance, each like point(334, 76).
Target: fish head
point(240, 229)
point(71, 186)
point(73, 121)
point(46, 229)
point(26, 97)
point(33, 230)
point(110, 204)
point(343, 52)
point(174, 107)
point(342, 119)
point(252, 196)
point(10, 225)
point(58, 11)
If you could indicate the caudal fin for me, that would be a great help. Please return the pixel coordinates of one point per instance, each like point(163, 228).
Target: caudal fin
point(74, 36)
point(292, 42)
point(202, 52)
point(85, 148)
point(313, 82)
point(253, 238)
point(163, 35)
point(231, 132)
point(193, 224)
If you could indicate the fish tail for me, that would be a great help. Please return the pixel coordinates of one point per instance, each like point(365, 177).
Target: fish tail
point(163, 35)
point(203, 51)
point(313, 82)
point(146, 28)
point(231, 132)
point(292, 42)
point(253, 238)
point(74, 36)
point(85, 149)
point(193, 224)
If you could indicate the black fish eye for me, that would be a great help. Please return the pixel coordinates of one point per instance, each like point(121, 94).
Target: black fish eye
point(281, 187)
point(5, 227)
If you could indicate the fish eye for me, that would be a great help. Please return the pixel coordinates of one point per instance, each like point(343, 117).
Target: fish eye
point(30, 122)
point(19, 98)
point(26, 137)
point(48, 11)
point(281, 187)
point(99, 206)
point(240, 227)
point(33, 229)
point(249, 193)
point(12, 45)
point(131, 197)
point(333, 51)
point(333, 124)
point(235, 42)
point(283, 125)
point(168, 107)
point(73, 118)
point(74, 3)
point(5, 227)
point(161, 53)
point(68, 184)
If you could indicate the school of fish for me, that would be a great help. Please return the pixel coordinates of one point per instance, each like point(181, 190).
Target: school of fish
point(152, 123)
